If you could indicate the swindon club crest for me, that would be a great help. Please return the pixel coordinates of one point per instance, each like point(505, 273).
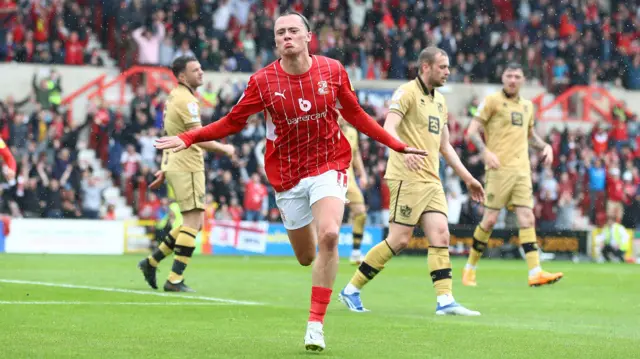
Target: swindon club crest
point(322, 88)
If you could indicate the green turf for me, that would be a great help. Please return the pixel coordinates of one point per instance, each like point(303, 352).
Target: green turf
point(594, 312)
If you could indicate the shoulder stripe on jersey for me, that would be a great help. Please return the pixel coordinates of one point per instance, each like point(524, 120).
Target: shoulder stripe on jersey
point(275, 112)
point(326, 108)
point(333, 107)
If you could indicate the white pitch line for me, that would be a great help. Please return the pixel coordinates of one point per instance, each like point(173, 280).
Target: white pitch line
point(19, 302)
point(131, 291)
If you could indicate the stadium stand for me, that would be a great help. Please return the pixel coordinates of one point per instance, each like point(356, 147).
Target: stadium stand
point(560, 43)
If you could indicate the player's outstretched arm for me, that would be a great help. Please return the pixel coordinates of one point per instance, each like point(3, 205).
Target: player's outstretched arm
point(217, 147)
point(539, 144)
point(249, 104)
point(355, 115)
point(452, 158)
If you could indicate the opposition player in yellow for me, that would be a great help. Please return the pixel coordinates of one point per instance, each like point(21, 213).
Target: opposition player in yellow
point(508, 122)
point(418, 117)
point(184, 172)
point(357, 209)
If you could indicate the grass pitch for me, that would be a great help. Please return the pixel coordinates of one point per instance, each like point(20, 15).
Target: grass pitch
point(100, 307)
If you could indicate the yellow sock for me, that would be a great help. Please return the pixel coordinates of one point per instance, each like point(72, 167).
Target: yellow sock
point(440, 269)
point(480, 240)
point(358, 229)
point(373, 263)
point(530, 247)
point(165, 248)
point(185, 245)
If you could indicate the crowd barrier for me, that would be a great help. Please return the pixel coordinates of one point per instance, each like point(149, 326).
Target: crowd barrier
point(60, 236)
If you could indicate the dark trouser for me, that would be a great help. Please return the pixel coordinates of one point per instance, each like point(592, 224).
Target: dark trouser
point(91, 214)
point(253, 216)
point(608, 250)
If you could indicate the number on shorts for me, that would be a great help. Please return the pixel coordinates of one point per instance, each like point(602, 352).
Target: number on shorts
point(166, 158)
point(342, 179)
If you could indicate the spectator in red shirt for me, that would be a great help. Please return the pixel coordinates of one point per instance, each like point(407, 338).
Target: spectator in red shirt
point(629, 188)
point(600, 139)
point(74, 50)
point(546, 210)
point(41, 17)
point(149, 208)
point(615, 194)
point(110, 214)
point(565, 185)
point(254, 194)
point(619, 133)
point(235, 210)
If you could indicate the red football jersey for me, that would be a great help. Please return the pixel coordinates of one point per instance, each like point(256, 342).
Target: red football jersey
point(303, 135)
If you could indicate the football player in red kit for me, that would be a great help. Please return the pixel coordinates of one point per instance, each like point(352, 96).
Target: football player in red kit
point(307, 156)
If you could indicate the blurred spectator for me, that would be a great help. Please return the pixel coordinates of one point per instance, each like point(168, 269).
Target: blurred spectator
point(255, 194)
point(613, 240)
point(92, 195)
point(149, 40)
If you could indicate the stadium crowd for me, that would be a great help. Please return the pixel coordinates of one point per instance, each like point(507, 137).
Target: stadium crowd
point(560, 43)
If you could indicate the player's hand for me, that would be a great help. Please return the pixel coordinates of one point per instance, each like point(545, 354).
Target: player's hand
point(475, 190)
point(491, 160)
point(364, 182)
point(158, 181)
point(9, 174)
point(547, 155)
point(229, 150)
point(173, 143)
point(414, 162)
point(416, 151)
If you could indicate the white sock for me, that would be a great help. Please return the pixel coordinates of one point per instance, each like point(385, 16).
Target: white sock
point(356, 253)
point(351, 289)
point(469, 266)
point(535, 271)
point(445, 299)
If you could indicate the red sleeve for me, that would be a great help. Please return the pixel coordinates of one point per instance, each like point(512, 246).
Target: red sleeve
point(7, 156)
point(250, 103)
point(354, 114)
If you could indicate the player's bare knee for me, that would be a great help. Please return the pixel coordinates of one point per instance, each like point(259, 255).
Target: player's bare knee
point(526, 219)
point(328, 238)
point(489, 222)
point(358, 210)
point(398, 242)
point(439, 236)
point(306, 259)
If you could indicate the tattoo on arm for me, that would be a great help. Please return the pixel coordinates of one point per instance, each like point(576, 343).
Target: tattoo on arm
point(476, 139)
point(536, 141)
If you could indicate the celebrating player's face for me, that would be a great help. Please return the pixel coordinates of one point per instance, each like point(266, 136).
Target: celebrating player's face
point(194, 76)
point(292, 36)
point(512, 81)
point(439, 71)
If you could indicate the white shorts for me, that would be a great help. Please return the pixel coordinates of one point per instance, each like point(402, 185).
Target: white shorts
point(295, 204)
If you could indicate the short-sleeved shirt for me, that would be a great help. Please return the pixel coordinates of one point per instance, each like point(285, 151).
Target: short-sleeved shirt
point(182, 113)
point(506, 122)
point(424, 116)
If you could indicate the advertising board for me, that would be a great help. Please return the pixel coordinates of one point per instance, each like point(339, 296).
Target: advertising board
point(62, 236)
